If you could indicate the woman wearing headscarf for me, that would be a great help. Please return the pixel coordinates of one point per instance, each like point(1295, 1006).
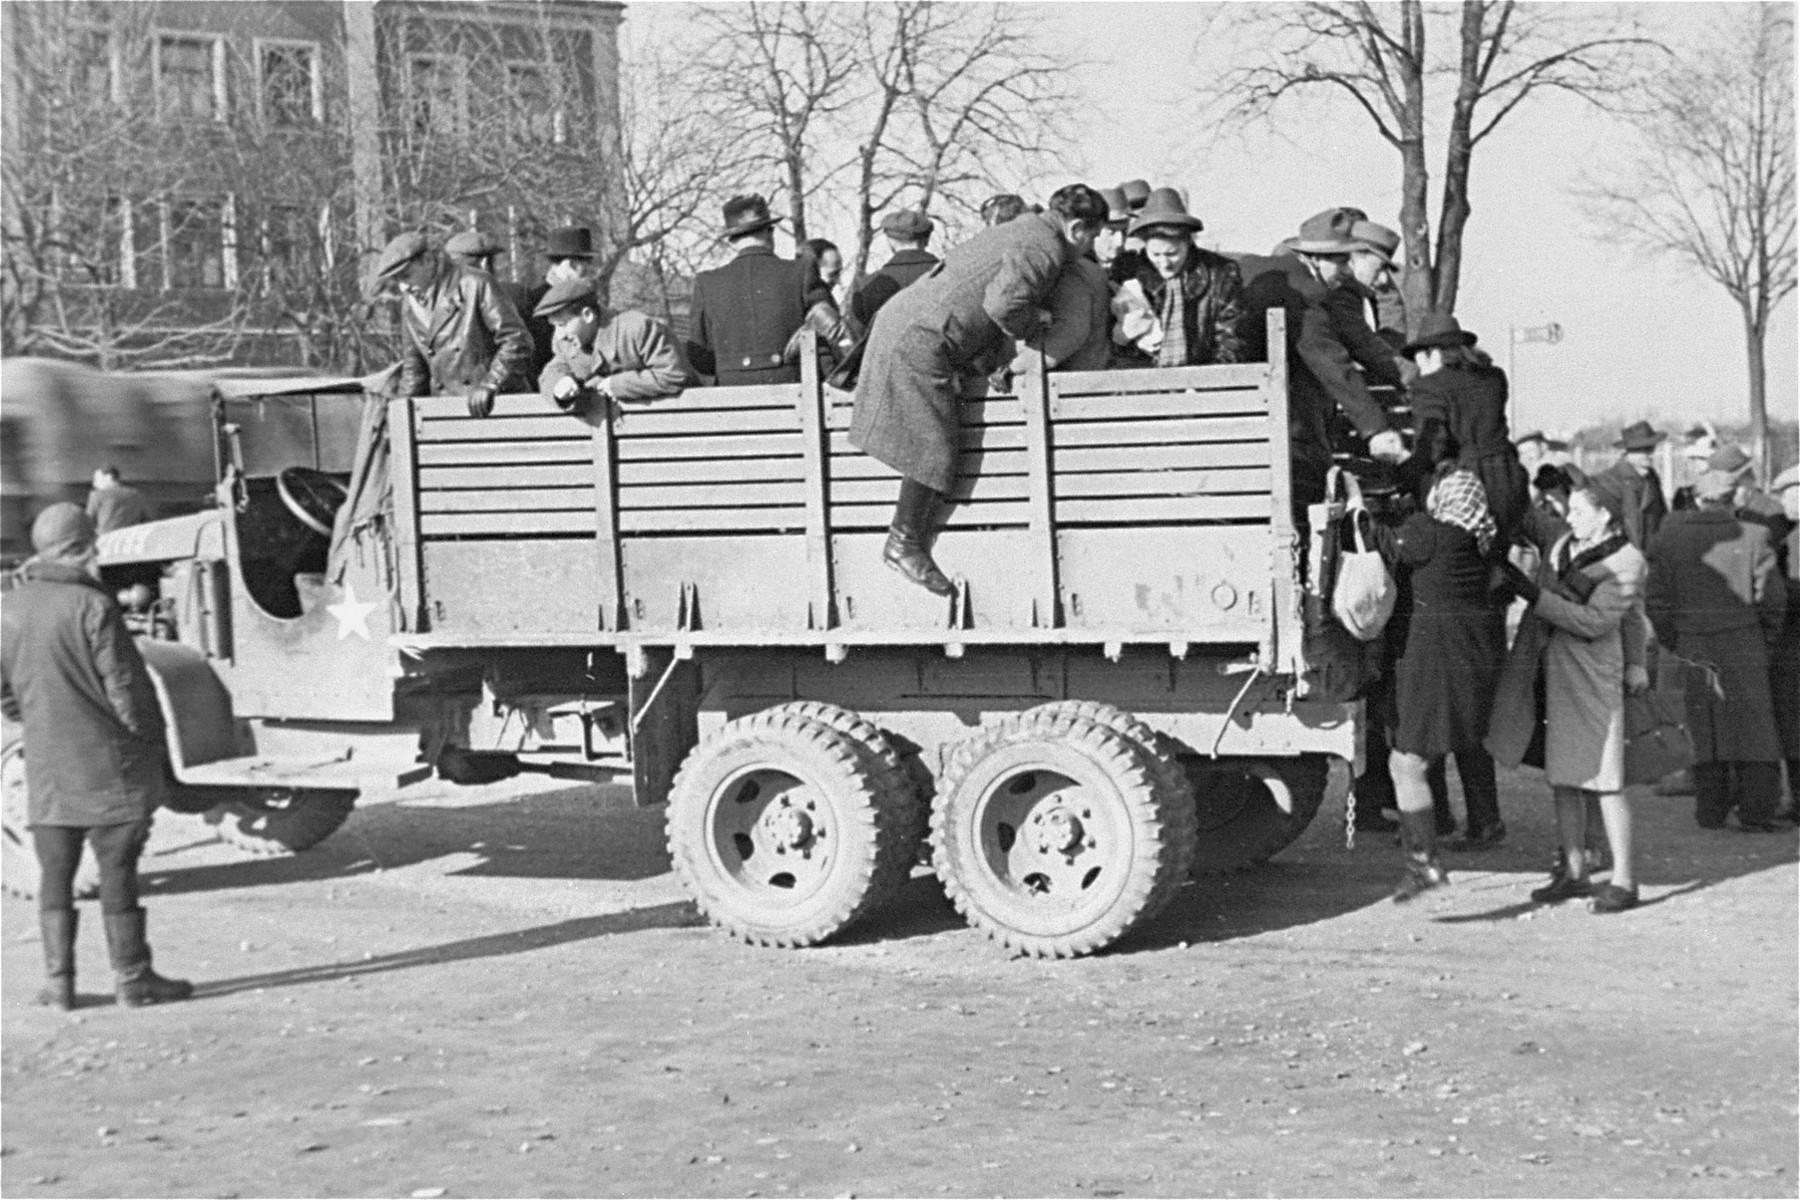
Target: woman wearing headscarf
point(1447, 652)
point(1565, 683)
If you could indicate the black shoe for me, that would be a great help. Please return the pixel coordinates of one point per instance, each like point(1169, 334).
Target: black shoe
point(1610, 899)
point(151, 988)
point(1561, 888)
point(905, 555)
point(1375, 823)
point(1485, 838)
point(1419, 878)
point(1758, 826)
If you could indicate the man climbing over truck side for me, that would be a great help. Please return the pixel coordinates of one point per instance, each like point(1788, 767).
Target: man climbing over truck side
point(463, 334)
point(623, 355)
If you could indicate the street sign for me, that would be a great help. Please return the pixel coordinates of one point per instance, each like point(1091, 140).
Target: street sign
point(1548, 334)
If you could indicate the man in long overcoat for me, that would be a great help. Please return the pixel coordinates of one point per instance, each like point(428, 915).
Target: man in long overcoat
point(463, 334)
point(961, 320)
point(746, 311)
point(1635, 477)
point(71, 676)
point(907, 232)
point(1322, 374)
point(1718, 603)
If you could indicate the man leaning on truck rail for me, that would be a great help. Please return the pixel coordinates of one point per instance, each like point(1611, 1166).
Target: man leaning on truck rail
point(622, 355)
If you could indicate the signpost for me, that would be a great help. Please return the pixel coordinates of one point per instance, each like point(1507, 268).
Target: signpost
point(1517, 335)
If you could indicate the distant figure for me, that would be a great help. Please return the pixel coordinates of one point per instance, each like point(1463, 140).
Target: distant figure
point(1635, 476)
point(569, 254)
point(114, 504)
point(828, 259)
point(907, 232)
point(94, 752)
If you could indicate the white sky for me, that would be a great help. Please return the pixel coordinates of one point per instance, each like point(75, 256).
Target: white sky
point(1641, 338)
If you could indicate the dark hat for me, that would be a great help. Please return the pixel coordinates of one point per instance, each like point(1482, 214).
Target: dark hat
point(907, 223)
point(1438, 330)
point(63, 530)
point(571, 241)
point(1639, 436)
point(1728, 458)
point(569, 294)
point(1118, 212)
point(1327, 233)
point(472, 244)
point(746, 214)
point(1164, 209)
point(1379, 238)
point(1136, 192)
point(399, 253)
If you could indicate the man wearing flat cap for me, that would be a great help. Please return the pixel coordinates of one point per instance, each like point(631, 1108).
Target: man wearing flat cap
point(475, 249)
point(746, 311)
point(624, 356)
point(72, 677)
point(1634, 477)
point(907, 232)
point(1182, 308)
point(1718, 602)
point(1322, 373)
point(463, 334)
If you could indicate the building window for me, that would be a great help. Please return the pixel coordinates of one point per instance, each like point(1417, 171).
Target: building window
point(438, 96)
point(96, 67)
point(190, 77)
point(289, 77)
point(538, 112)
point(194, 244)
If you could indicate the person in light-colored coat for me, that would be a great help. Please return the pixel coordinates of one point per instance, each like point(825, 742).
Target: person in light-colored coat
point(959, 321)
point(1585, 591)
point(623, 355)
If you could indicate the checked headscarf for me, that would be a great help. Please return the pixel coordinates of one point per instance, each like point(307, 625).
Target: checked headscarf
point(1458, 499)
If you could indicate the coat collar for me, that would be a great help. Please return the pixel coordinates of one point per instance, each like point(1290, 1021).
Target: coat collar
point(58, 570)
point(749, 248)
point(910, 257)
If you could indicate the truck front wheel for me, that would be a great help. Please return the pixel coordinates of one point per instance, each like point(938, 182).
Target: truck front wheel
point(1250, 809)
point(1052, 835)
point(785, 830)
point(276, 821)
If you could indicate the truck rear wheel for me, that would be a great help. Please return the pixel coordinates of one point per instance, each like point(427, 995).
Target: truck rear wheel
point(274, 821)
point(1251, 809)
point(785, 830)
point(1053, 836)
point(19, 871)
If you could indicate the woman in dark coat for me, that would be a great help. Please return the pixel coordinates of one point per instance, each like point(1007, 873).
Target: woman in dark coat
point(952, 324)
point(1448, 653)
point(1460, 390)
point(73, 678)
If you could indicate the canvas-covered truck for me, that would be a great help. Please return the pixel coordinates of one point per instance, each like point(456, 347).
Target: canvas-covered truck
point(1135, 677)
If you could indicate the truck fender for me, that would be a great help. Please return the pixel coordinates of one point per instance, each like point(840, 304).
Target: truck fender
point(197, 712)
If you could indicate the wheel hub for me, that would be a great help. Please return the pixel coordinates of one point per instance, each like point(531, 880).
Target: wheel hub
point(1056, 831)
point(789, 828)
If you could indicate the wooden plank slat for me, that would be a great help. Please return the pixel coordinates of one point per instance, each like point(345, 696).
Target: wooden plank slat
point(502, 454)
point(1074, 460)
point(761, 445)
point(445, 525)
point(516, 475)
point(974, 413)
point(715, 520)
point(656, 422)
point(1158, 379)
point(726, 399)
point(1014, 514)
point(547, 428)
point(1237, 481)
point(641, 497)
point(1167, 404)
point(1034, 399)
point(1286, 641)
point(707, 470)
point(968, 487)
point(403, 465)
point(1137, 509)
point(610, 614)
point(821, 593)
point(1163, 433)
point(854, 464)
point(512, 404)
point(524, 501)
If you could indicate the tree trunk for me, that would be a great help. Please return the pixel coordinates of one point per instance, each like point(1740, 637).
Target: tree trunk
point(1755, 332)
point(1418, 284)
point(797, 190)
point(1458, 153)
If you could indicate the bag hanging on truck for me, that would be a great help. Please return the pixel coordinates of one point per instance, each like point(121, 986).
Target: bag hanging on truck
point(1362, 597)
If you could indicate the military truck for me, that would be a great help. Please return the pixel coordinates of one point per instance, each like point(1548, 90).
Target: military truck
point(1134, 679)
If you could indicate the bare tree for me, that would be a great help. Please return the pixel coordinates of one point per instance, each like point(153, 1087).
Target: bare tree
point(1383, 60)
point(1712, 183)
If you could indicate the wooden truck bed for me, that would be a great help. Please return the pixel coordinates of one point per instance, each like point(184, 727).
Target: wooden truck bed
point(1099, 508)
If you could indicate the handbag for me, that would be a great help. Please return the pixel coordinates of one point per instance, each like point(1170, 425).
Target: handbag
point(1657, 744)
point(1362, 596)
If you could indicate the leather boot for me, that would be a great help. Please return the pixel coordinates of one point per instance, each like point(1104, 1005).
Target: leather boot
point(1419, 829)
point(909, 539)
point(138, 985)
point(58, 930)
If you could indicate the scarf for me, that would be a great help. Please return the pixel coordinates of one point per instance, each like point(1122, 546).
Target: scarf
point(1458, 499)
point(1174, 349)
point(1571, 579)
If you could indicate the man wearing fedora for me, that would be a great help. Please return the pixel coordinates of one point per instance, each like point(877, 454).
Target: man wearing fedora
point(1374, 345)
point(568, 255)
point(602, 354)
point(1322, 374)
point(959, 321)
point(1188, 297)
point(1718, 602)
point(1110, 251)
point(746, 311)
point(1634, 477)
point(906, 232)
point(463, 334)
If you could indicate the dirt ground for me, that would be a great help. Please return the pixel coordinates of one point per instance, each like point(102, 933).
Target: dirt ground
point(502, 992)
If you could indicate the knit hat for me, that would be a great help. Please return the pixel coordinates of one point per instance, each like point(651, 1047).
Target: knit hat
point(62, 531)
